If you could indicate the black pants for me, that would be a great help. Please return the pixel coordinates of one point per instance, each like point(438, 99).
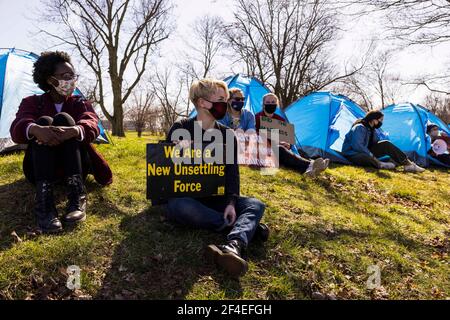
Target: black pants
point(291, 160)
point(381, 149)
point(444, 158)
point(45, 163)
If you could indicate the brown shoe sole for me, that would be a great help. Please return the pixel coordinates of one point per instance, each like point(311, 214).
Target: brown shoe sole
point(234, 265)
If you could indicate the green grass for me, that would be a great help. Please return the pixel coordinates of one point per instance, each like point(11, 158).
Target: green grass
point(325, 234)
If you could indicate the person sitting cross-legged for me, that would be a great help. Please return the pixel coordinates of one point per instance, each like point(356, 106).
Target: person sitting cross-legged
point(218, 213)
point(363, 147)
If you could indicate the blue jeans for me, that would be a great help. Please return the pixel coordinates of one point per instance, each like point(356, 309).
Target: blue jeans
point(193, 213)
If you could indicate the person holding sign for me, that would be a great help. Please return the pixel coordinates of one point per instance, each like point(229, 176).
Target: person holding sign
point(363, 147)
point(440, 149)
point(288, 158)
point(217, 213)
point(58, 129)
point(237, 117)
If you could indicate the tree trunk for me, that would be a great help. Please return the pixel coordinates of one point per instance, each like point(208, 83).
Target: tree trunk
point(118, 129)
point(117, 126)
point(116, 86)
point(139, 133)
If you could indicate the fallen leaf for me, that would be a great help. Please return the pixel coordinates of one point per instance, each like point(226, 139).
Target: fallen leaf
point(323, 296)
point(122, 269)
point(158, 257)
point(318, 296)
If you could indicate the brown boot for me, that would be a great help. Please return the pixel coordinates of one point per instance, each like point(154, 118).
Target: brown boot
point(228, 257)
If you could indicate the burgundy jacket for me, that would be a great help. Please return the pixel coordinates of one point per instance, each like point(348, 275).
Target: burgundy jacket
point(34, 107)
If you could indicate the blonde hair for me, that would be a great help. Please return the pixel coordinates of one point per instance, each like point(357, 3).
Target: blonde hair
point(270, 94)
point(205, 88)
point(235, 91)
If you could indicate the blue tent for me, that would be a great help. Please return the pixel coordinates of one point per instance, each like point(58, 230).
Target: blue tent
point(16, 82)
point(321, 121)
point(254, 91)
point(406, 126)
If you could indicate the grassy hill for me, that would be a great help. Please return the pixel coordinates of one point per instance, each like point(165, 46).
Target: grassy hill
point(325, 234)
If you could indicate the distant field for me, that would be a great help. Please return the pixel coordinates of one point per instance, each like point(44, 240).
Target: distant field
point(325, 234)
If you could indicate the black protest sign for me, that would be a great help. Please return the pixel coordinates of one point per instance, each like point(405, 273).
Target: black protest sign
point(174, 172)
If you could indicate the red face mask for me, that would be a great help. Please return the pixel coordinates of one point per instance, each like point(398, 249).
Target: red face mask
point(218, 109)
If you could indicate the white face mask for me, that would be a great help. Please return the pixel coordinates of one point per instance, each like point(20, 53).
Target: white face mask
point(66, 87)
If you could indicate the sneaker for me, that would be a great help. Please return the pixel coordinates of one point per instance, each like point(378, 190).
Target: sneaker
point(413, 168)
point(317, 166)
point(387, 165)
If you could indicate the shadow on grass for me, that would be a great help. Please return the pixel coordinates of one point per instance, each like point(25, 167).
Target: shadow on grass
point(16, 204)
point(333, 191)
point(160, 260)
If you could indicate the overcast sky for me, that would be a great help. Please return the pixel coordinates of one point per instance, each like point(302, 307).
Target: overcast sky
point(18, 30)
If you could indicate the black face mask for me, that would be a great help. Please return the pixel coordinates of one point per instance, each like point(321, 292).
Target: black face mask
point(218, 109)
point(270, 108)
point(379, 125)
point(237, 105)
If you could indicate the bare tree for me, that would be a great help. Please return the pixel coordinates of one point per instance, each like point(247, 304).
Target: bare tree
point(284, 44)
point(205, 46)
point(416, 22)
point(202, 51)
point(140, 110)
point(115, 39)
point(385, 83)
point(169, 97)
point(155, 123)
point(376, 86)
point(439, 105)
point(432, 82)
point(353, 88)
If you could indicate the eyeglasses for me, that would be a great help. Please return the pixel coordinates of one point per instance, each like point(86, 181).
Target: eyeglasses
point(66, 76)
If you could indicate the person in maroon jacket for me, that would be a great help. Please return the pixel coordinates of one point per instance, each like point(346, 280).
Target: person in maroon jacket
point(58, 129)
point(288, 158)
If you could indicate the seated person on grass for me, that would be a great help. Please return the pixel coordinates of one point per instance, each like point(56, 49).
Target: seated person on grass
point(363, 147)
point(58, 129)
point(237, 117)
point(288, 158)
point(433, 132)
point(242, 214)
